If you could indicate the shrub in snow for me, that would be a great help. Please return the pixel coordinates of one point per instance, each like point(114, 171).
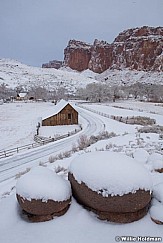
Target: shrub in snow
point(158, 166)
point(151, 129)
point(60, 156)
point(144, 121)
point(43, 194)
point(141, 155)
point(83, 142)
point(156, 213)
point(139, 120)
point(74, 148)
point(52, 159)
point(22, 173)
point(59, 169)
point(112, 185)
point(67, 154)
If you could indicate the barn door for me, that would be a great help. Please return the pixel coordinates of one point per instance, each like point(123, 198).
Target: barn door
point(69, 118)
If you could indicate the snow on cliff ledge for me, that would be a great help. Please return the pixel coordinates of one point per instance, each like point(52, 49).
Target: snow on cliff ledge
point(114, 173)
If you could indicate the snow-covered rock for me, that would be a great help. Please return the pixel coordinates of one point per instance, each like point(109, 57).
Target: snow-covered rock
point(118, 174)
point(112, 185)
point(141, 155)
point(158, 192)
point(158, 165)
point(156, 213)
point(44, 184)
point(154, 156)
point(42, 194)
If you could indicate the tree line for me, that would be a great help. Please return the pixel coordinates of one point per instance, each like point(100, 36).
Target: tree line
point(93, 92)
point(96, 92)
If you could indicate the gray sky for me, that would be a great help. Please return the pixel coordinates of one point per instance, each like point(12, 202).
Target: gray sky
point(36, 31)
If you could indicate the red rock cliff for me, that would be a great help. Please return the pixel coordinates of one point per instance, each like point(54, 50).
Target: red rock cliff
point(138, 48)
point(77, 55)
point(53, 64)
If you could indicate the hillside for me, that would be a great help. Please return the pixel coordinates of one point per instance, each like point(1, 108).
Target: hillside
point(14, 73)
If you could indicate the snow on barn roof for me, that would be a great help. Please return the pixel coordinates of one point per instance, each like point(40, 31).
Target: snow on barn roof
point(56, 109)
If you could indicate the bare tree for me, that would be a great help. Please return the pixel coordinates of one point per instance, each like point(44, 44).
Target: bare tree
point(61, 93)
point(95, 92)
point(5, 92)
point(38, 92)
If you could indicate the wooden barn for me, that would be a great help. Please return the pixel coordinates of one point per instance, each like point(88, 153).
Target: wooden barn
point(64, 114)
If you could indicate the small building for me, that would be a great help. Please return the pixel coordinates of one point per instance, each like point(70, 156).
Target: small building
point(64, 114)
point(22, 96)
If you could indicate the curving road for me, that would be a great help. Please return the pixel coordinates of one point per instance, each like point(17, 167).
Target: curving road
point(11, 166)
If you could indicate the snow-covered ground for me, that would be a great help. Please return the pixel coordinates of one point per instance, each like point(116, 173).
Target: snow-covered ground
point(128, 77)
point(78, 225)
point(18, 121)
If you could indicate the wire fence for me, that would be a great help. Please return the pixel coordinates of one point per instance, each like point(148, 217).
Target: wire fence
point(39, 141)
point(132, 120)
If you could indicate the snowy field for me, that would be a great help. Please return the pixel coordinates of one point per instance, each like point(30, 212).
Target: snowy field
point(79, 225)
point(18, 123)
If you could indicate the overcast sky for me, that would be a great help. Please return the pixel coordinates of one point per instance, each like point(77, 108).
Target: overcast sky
point(36, 31)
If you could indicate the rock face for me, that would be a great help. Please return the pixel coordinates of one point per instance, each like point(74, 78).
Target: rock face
point(101, 56)
point(53, 64)
point(139, 48)
point(77, 55)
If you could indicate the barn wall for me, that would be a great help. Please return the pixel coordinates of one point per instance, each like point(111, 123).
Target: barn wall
point(67, 116)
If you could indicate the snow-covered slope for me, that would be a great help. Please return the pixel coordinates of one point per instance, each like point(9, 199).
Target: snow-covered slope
point(15, 73)
point(128, 77)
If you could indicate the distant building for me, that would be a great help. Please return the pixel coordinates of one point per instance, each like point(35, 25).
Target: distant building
point(22, 96)
point(64, 114)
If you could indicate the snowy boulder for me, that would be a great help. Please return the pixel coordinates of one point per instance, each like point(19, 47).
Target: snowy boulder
point(156, 161)
point(158, 192)
point(141, 155)
point(156, 213)
point(42, 194)
point(112, 185)
point(154, 156)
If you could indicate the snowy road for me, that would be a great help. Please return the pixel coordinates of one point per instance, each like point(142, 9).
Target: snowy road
point(9, 167)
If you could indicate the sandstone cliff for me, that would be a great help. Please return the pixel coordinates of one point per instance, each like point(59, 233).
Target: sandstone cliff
point(77, 55)
point(53, 64)
point(138, 48)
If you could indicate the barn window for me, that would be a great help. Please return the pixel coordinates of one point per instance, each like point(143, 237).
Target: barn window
point(69, 116)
